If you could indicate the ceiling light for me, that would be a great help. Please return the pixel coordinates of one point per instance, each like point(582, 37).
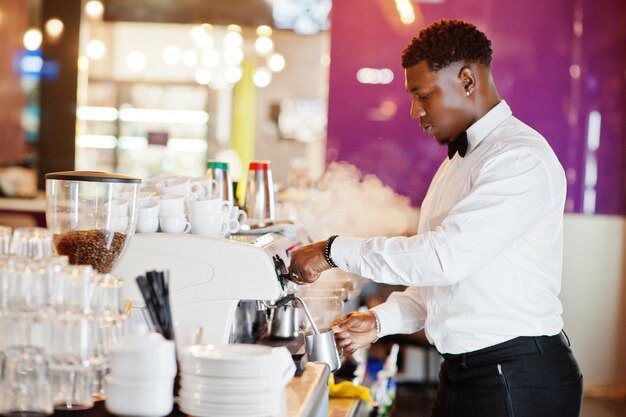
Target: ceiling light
point(32, 39)
point(94, 9)
point(171, 54)
point(233, 56)
point(203, 76)
point(136, 61)
point(264, 45)
point(190, 58)
point(210, 58)
point(264, 30)
point(276, 62)
point(233, 74)
point(96, 49)
point(54, 28)
point(262, 77)
point(233, 39)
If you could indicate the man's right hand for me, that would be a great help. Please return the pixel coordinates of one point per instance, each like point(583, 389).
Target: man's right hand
point(307, 263)
point(354, 331)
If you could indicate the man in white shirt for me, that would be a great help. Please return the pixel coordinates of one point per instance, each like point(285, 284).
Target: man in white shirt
point(484, 270)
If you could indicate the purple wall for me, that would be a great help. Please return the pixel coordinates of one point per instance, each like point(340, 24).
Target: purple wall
point(535, 45)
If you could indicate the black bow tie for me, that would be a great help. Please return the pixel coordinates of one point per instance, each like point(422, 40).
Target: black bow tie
point(458, 145)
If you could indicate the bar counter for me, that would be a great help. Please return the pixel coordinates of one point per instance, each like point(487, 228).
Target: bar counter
point(307, 396)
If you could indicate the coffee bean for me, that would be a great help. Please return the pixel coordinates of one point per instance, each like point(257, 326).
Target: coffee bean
point(98, 247)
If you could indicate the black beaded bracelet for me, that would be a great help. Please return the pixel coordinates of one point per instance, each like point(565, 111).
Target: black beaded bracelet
point(329, 243)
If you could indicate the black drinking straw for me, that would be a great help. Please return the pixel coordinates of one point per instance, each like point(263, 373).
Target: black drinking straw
point(148, 297)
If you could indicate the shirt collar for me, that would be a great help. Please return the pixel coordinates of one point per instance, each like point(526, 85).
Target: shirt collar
point(485, 125)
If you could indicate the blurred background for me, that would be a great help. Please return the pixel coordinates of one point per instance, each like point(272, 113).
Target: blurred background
point(157, 87)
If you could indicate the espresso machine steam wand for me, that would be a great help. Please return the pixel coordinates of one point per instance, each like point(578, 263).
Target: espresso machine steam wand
point(283, 278)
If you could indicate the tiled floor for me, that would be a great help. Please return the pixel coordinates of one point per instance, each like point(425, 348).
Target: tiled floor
point(416, 401)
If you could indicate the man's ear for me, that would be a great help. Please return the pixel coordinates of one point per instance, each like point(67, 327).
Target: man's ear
point(468, 80)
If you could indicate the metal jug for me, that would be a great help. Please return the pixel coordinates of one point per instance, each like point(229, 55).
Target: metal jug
point(284, 324)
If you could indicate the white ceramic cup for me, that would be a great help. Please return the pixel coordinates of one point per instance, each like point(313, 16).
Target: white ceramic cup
point(232, 225)
point(149, 208)
point(149, 189)
point(172, 205)
point(210, 205)
point(147, 224)
point(179, 186)
point(174, 224)
point(209, 186)
point(118, 223)
point(239, 215)
point(143, 356)
point(117, 207)
point(152, 182)
point(141, 398)
point(144, 195)
point(208, 225)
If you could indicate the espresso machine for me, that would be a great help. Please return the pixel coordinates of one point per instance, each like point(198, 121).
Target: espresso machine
point(214, 280)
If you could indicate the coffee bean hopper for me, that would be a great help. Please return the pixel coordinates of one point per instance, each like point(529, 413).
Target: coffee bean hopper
point(91, 215)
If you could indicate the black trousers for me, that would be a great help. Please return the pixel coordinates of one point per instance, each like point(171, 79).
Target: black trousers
point(523, 377)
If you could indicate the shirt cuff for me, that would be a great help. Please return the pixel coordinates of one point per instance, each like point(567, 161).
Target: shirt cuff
point(377, 311)
point(345, 252)
point(387, 316)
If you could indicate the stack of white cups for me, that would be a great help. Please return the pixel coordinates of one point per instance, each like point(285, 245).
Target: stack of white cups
point(148, 216)
point(172, 217)
point(141, 382)
point(181, 204)
point(117, 214)
point(209, 216)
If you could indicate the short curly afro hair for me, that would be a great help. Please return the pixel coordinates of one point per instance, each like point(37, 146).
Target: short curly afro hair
point(445, 42)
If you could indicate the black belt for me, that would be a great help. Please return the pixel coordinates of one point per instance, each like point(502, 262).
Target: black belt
point(523, 345)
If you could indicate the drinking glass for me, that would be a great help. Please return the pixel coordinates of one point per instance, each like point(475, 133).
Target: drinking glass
point(71, 339)
point(24, 388)
point(23, 302)
point(72, 290)
point(70, 350)
point(5, 240)
point(186, 333)
point(107, 306)
point(32, 242)
point(7, 266)
point(27, 289)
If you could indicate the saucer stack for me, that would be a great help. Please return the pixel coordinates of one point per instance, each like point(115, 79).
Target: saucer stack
point(235, 380)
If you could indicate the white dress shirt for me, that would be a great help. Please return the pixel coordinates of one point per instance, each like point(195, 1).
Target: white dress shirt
point(485, 265)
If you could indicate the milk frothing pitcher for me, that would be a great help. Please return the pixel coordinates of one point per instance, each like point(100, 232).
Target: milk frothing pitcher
point(320, 346)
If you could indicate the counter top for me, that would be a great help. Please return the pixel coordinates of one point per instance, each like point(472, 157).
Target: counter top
point(307, 396)
point(306, 392)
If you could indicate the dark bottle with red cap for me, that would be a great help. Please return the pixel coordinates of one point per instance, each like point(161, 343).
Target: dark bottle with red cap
point(259, 201)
